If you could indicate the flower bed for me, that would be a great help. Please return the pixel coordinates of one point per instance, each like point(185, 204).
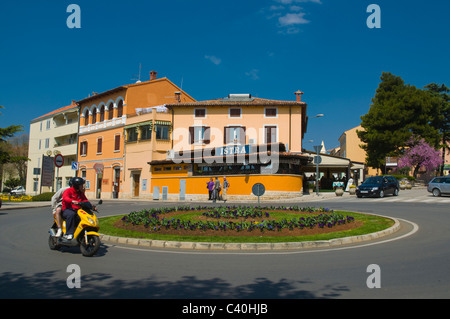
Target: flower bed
point(238, 220)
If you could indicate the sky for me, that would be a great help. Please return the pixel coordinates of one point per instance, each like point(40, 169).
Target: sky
point(211, 48)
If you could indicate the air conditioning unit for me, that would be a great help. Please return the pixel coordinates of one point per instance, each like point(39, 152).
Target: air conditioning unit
point(170, 154)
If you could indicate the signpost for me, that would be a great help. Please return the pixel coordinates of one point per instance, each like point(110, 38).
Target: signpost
point(59, 161)
point(258, 190)
point(317, 161)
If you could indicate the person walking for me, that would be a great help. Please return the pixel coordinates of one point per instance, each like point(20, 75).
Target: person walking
point(226, 185)
point(216, 191)
point(210, 187)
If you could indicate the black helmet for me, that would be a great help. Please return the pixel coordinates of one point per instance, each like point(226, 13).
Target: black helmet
point(76, 181)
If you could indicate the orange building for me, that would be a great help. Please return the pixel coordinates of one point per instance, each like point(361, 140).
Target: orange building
point(102, 156)
point(249, 140)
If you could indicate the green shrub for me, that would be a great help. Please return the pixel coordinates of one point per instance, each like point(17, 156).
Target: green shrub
point(43, 197)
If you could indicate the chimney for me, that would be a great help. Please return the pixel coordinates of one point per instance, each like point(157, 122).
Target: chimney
point(153, 75)
point(299, 95)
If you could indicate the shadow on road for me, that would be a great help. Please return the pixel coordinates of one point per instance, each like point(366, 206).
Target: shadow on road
point(46, 285)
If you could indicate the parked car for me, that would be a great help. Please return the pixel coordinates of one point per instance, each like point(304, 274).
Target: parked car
point(378, 186)
point(439, 185)
point(18, 191)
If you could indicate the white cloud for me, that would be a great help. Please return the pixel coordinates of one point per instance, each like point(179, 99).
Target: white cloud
point(292, 19)
point(213, 59)
point(297, 1)
point(253, 74)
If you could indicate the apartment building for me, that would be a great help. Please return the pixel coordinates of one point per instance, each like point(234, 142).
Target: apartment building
point(247, 139)
point(109, 125)
point(52, 134)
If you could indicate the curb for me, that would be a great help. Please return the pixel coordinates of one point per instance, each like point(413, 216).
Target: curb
point(149, 243)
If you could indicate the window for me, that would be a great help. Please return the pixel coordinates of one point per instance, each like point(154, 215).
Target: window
point(117, 142)
point(146, 132)
point(86, 117)
point(83, 148)
point(47, 143)
point(270, 134)
point(102, 113)
point(41, 127)
point(234, 134)
point(200, 113)
point(94, 116)
point(235, 112)
point(120, 109)
point(99, 145)
point(110, 111)
point(48, 124)
point(40, 144)
point(199, 134)
point(162, 132)
point(132, 134)
point(270, 112)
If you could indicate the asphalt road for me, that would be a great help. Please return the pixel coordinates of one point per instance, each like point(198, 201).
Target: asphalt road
point(413, 263)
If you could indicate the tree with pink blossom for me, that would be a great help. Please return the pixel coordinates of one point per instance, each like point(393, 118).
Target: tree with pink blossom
point(419, 154)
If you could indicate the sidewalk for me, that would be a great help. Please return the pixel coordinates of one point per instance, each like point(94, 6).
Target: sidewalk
point(305, 198)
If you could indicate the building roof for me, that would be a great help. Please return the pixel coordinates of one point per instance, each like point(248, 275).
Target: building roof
point(122, 87)
point(60, 110)
point(237, 99)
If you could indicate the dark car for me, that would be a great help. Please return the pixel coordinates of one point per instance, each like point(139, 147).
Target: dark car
point(378, 186)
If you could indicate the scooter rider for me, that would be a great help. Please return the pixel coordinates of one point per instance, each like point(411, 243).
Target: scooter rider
point(57, 207)
point(72, 198)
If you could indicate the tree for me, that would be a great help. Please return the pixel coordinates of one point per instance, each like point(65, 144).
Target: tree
point(442, 119)
point(419, 154)
point(4, 134)
point(398, 111)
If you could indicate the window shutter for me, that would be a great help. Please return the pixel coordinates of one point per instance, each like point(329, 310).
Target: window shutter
point(242, 135)
point(117, 142)
point(207, 135)
point(99, 145)
point(191, 134)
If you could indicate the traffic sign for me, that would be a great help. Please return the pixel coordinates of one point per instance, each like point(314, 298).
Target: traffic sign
point(59, 160)
point(75, 166)
point(258, 189)
point(317, 159)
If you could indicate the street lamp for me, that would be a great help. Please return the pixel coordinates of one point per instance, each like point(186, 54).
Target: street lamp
point(317, 159)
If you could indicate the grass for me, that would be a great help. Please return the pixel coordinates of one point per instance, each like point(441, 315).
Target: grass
point(371, 224)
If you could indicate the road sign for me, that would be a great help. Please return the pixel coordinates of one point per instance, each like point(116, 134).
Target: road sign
point(317, 159)
point(75, 166)
point(258, 190)
point(59, 160)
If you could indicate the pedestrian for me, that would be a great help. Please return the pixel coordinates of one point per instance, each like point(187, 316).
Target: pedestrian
point(210, 187)
point(226, 185)
point(216, 191)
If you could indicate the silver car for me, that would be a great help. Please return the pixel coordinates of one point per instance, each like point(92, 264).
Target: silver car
point(439, 185)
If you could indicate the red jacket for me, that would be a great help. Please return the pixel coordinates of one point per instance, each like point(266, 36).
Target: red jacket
point(72, 195)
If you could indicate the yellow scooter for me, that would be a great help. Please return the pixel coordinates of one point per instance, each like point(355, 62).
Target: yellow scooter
point(86, 232)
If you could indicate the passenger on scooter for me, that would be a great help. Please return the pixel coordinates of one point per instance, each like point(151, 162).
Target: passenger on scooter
point(56, 207)
point(72, 198)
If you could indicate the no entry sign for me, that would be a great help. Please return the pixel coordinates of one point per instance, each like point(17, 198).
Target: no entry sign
point(59, 160)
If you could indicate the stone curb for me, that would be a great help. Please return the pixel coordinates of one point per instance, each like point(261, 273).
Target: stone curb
point(149, 243)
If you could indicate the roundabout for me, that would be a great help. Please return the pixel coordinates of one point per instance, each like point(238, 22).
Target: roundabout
point(248, 228)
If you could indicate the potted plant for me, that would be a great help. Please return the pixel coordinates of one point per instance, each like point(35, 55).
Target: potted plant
point(352, 189)
point(339, 191)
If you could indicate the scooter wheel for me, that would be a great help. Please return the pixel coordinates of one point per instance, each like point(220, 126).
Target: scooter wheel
point(52, 243)
point(92, 246)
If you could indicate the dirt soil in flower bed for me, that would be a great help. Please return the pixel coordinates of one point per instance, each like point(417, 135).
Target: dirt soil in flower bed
point(256, 233)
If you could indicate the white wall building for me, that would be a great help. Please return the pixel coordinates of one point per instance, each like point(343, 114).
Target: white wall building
point(51, 134)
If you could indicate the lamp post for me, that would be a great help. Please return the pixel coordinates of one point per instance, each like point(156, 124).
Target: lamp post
point(317, 159)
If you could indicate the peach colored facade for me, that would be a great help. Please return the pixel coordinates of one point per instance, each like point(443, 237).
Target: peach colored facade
point(101, 149)
point(350, 148)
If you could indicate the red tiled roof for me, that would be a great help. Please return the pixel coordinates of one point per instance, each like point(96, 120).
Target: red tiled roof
point(228, 102)
point(62, 109)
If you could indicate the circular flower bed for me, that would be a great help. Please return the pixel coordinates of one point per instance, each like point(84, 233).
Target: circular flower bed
point(237, 221)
